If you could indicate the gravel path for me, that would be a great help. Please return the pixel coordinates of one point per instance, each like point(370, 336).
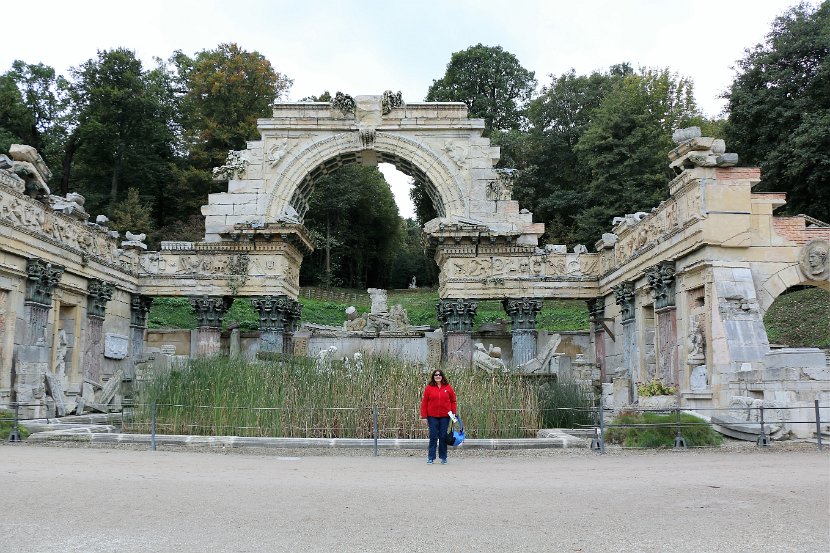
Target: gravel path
point(127, 499)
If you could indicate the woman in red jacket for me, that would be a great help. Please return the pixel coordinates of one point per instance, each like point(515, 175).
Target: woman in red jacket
point(436, 406)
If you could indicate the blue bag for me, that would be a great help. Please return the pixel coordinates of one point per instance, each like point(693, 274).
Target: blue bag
point(456, 437)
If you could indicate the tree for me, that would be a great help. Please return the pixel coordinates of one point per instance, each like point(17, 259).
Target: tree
point(491, 82)
point(124, 135)
point(33, 106)
point(353, 216)
point(552, 179)
point(224, 92)
point(132, 214)
point(625, 144)
point(779, 109)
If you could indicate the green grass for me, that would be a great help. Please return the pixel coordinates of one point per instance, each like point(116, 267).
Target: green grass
point(566, 405)
point(290, 398)
point(661, 431)
point(556, 315)
point(7, 424)
point(800, 319)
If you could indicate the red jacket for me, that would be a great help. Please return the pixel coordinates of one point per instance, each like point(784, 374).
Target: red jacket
point(438, 401)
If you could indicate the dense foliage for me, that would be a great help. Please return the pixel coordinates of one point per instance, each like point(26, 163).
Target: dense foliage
point(800, 318)
point(650, 429)
point(779, 109)
point(140, 142)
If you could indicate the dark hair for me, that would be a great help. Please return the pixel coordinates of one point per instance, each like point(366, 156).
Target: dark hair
point(432, 377)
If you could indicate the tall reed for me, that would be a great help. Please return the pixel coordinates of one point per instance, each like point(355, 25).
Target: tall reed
point(291, 398)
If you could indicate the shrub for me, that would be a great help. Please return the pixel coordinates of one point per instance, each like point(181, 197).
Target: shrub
point(7, 424)
point(649, 429)
point(655, 388)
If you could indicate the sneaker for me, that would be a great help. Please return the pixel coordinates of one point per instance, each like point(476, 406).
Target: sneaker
point(430, 461)
point(443, 461)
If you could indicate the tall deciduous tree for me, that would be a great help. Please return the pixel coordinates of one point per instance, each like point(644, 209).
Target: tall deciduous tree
point(225, 90)
point(625, 144)
point(353, 216)
point(124, 136)
point(779, 109)
point(492, 83)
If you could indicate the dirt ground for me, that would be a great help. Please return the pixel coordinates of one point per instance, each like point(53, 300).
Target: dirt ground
point(739, 499)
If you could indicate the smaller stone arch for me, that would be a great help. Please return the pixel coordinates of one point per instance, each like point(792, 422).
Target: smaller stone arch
point(294, 180)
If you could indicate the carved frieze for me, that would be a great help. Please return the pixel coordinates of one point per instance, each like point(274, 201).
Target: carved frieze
point(547, 266)
point(41, 280)
point(210, 310)
point(523, 312)
point(457, 315)
point(624, 296)
point(661, 279)
point(98, 294)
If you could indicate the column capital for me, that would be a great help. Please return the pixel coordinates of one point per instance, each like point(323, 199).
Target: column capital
point(41, 279)
point(139, 308)
point(596, 312)
point(210, 310)
point(277, 313)
point(98, 294)
point(662, 279)
point(523, 312)
point(624, 296)
point(457, 315)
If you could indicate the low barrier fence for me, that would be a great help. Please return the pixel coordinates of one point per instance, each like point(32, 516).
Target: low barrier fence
point(601, 425)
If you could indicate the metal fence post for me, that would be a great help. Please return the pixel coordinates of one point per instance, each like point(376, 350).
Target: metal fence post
point(679, 441)
point(763, 439)
point(153, 426)
point(14, 435)
point(818, 426)
point(375, 427)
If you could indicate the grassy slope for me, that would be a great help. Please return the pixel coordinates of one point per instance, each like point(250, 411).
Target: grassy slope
point(797, 319)
point(420, 305)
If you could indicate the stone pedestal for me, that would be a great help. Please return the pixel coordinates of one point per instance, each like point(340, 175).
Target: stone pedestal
point(457, 317)
point(522, 314)
point(459, 349)
point(524, 346)
point(272, 341)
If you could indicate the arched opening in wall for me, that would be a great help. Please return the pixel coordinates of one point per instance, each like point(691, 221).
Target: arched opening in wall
point(799, 317)
point(364, 236)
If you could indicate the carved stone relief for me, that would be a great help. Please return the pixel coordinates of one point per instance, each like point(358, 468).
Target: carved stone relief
point(814, 260)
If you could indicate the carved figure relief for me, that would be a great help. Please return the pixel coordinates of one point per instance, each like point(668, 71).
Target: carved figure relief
point(815, 260)
point(457, 153)
point(276, 151)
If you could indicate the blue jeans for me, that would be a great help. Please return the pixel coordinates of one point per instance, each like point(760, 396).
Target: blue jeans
point(438, 436)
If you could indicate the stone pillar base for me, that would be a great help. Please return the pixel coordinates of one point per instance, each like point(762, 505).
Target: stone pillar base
point(459, 349)
point(209, 342)
point(524, 346)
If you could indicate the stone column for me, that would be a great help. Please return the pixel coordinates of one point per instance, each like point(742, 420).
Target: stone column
point(523, 313)
point(457, 317)
point(209, 312)
point(98, 294)
point(279, 317)
point(139, 309)
point(596, 310)
point(624, 297)
point(32, 355)
point(661, 280)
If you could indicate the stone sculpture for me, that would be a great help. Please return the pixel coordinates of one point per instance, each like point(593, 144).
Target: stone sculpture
point(815, 261)
point(488, 360)
point(324, 359)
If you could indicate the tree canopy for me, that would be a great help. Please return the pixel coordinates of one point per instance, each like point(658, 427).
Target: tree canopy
point(779, 109)
point(492, 83)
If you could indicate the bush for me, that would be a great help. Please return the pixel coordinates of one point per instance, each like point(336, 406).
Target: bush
point(655, 388)
point(7, 424)
point(659, 430)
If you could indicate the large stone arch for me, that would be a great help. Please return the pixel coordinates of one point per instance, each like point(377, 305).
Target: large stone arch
point(294, 177)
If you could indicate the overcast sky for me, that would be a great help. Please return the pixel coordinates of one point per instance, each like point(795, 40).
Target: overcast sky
point(367, 46)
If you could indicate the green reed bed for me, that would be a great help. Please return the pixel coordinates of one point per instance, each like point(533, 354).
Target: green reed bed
point(291, 398)
point(655, 430)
